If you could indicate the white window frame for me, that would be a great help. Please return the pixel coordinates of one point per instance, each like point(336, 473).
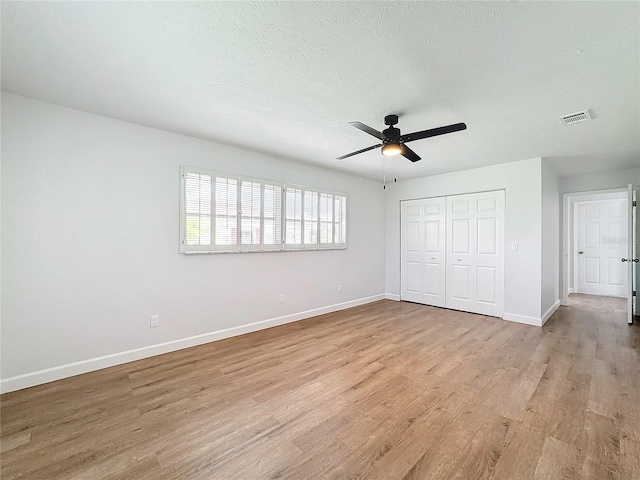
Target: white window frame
point(238, 247)
point(317, 246)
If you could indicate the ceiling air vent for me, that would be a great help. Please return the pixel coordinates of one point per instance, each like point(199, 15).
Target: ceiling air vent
point(576, 118)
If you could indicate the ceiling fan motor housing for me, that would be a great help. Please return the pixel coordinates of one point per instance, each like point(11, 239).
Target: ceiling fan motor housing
point(391, 135)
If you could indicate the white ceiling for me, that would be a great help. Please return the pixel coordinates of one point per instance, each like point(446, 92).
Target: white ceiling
point(286, 77)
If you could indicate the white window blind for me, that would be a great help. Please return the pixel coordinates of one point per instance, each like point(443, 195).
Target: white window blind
point(272, 215)
point(198, 208)
point(310, 218)
point(226, 206)
point(326, 219)
point(251, 210)
point(226, 213)
point(293, 216)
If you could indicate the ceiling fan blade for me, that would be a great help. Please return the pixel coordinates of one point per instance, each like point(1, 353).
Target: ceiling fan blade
point(359, 151)
point(367, 129)
point(410, 154)
point(434, 132)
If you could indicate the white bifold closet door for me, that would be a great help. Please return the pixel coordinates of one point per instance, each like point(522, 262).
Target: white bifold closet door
point(475, 253)
point(423, 251)
point(452, 252)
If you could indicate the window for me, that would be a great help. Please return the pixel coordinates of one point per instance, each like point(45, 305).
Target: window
point(198, 208)
point(251, 212)
point(333, 220)
point(315, 219)
point(310, 218)
point(293, 217)
point(272, 215)
point(326, 219)
point(227, 213)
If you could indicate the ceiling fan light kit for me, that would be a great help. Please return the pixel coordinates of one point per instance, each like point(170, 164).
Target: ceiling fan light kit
point(391, 149)
point(394, 143)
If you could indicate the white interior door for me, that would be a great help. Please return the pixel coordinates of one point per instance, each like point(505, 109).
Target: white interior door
point(423, 251)
point(602, 243)
point(475, 253)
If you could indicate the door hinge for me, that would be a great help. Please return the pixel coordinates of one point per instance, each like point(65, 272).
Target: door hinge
point(633, 294)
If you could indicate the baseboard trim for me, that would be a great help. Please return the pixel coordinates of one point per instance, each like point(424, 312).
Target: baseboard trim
point(77, 368)
point(392, 296)
point(548, 313)
point(513, 317)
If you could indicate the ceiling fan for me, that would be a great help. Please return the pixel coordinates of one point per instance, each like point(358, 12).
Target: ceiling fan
point(393, 143)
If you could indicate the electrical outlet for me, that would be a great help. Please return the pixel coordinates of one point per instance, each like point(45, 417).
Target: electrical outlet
point(282, 298)
point(339, 288)
point(514, 247)
point(154, 322)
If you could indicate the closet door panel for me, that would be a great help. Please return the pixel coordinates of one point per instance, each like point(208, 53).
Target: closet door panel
point(433, 285)
point(460, 236)
point(460, 281)
point(486, 285)
point(411, 239)
point(475, 245)
point(423, 251)
point(489, 252)
point(412, 277)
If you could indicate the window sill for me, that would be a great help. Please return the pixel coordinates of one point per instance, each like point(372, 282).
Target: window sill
point(279, 250)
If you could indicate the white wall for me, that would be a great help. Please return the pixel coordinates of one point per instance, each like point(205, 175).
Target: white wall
point(600, 181)
point(90, 245)
point(550, 294)
point(522, 182)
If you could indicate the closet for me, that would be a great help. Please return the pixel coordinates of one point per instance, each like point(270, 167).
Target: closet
point(452, 252)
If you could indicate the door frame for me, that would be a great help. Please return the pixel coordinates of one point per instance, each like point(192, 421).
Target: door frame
point(632, 254)
point(569, 237)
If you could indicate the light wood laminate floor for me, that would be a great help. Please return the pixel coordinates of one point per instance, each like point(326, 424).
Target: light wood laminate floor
point(387, 391)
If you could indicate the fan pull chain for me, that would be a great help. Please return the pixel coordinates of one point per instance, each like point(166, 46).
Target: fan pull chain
point(384, 174)
point(395, 169)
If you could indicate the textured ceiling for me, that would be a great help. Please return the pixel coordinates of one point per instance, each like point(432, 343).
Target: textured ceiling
point(286, 77)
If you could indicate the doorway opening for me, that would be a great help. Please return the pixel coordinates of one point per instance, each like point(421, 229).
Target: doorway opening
point(599, 235)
